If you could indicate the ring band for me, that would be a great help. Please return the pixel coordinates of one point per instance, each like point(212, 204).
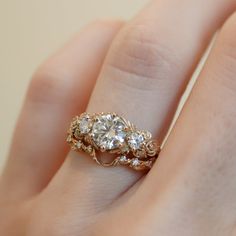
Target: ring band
point(111, 133)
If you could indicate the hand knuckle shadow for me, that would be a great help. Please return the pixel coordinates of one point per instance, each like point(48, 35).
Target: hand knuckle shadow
point(140, 55)
point(48, 85)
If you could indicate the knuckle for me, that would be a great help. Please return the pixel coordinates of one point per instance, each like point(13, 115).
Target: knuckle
point(139, 51)
point(47, 86)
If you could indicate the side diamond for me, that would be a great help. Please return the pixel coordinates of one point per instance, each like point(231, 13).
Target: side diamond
point(85, 125)
point(135, 140)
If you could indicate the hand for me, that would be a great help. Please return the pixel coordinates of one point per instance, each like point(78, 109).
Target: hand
point(191, 190)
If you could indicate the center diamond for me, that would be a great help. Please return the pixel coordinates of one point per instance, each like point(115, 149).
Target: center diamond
point(109, 131)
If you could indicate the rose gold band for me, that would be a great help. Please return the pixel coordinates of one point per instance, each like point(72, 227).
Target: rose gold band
point(111, 133)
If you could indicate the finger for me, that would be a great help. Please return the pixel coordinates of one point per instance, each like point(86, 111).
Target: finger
point(198, 164)
point(142, 78)
point(60, 88)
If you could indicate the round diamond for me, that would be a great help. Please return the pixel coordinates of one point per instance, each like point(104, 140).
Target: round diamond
point(123, 159)
point(84, 125)
point(109, 131)
point(135, 162)
point(135, 140)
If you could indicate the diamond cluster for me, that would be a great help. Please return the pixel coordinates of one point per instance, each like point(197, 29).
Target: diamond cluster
point(110, 132)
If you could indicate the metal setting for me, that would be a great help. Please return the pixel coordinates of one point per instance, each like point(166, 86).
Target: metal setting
point(111, 133)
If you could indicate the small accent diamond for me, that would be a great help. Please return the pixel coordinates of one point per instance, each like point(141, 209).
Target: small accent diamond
point(123, 159)
point(149, 164)
point(135, 162)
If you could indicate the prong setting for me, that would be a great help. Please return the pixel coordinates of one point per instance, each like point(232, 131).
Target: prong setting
point(108, 132)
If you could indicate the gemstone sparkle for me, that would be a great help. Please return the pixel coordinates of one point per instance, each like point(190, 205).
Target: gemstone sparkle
point(109, 131)
point(85, 125)
point(135, 140)
point(135, 162)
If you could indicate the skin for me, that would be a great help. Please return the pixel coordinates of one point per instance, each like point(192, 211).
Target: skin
point(138, 69)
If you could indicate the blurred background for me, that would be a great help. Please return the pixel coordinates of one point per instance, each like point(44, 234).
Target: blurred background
point(30, 31)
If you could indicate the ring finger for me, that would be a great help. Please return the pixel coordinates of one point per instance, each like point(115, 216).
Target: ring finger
point(143, 77)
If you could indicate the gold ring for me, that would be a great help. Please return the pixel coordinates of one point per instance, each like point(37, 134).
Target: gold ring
point(108, 132)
